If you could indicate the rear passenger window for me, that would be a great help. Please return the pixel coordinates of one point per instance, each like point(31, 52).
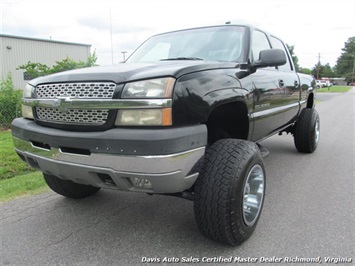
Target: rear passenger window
point(277, 44)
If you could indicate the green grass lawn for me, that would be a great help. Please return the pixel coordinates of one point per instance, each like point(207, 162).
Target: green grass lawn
point(16, 177)
point(10, 164)
point(335, 89)
point(22, 185)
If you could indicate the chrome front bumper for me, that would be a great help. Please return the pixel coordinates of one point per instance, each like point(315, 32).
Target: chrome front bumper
point(152, 174)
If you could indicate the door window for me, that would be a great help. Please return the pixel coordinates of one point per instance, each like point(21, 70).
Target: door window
point(277, 44)
point(260, 42)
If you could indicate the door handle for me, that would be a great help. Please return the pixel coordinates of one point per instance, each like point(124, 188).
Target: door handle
point(281, 83)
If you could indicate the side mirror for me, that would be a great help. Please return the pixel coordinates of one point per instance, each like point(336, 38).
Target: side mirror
point(270, 58)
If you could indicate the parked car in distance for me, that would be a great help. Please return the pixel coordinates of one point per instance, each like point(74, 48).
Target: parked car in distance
point(322, 83)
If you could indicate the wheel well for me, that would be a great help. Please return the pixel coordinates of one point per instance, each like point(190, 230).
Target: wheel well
point(228, 121)
point(310, 100)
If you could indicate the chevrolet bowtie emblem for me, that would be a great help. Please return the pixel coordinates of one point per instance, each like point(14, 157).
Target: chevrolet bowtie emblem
point(63, 104)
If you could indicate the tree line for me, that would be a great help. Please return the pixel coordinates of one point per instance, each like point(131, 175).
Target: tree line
point(344, 67)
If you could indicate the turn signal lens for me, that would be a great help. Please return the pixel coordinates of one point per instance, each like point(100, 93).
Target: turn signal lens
point(27, 110)
point(144, 117)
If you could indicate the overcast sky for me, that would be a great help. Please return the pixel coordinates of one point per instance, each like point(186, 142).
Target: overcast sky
point(312, 26)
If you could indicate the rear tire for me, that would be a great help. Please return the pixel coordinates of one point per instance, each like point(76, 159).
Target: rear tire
point(307, 131)
point(229, 192)
point(69, 188)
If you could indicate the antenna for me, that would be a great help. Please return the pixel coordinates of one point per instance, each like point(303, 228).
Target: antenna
point(111, 36)
point(228, 22)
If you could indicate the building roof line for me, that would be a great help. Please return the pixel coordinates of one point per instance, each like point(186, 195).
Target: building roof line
point(42, 40)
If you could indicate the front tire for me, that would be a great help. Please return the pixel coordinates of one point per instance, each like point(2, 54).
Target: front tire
point(229, 193)
point(69, 188)
point(307, 131)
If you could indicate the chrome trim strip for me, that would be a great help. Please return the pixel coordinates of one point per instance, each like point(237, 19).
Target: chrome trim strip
point(65, 103)
point(274, 110)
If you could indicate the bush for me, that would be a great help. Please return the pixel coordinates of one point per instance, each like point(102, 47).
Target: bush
point(10, 102)
point(34, 70)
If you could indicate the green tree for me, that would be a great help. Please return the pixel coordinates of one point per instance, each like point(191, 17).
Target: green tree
point(328, 71)
point(345, 65)
point(35, 70)
point(291, 49)
point(305, 71)
point(324, 71)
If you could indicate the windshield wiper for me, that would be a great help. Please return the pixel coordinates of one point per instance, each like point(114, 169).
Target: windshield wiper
point(181, 58)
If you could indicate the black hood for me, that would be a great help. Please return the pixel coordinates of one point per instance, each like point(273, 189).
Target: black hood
point(132, 71)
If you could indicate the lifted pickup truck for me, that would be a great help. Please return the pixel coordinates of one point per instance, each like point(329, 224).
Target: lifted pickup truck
point(183, 116)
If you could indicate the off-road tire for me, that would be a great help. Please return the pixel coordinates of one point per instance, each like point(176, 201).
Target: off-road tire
point(306, 135)
point(219, 191)
point(69, 188)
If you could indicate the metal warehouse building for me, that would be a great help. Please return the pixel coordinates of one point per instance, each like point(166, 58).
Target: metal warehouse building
point(16, 51)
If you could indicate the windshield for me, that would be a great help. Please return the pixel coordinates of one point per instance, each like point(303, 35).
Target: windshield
point(210, 44)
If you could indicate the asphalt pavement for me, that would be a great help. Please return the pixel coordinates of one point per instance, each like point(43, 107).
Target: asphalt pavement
point(308, 213)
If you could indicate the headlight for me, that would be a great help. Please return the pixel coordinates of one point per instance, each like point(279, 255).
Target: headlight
point(153, 88)
point(144, 117)
point(160, 88)
point(27, 110)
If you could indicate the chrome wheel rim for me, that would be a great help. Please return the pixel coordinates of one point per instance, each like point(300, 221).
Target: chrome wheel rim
point(253, 195)
point(316, 131)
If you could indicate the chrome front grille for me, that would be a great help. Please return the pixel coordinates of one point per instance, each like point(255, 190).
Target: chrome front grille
point(89, 90)
point(76, 90)
point(73, 116)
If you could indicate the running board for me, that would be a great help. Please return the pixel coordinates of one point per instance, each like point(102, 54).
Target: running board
point(264, 152)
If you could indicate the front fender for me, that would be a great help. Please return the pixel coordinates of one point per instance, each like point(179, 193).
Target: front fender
point(196, 95)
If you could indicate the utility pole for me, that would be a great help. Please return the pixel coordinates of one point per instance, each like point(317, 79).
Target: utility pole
point(352, 76)
point(318, 67)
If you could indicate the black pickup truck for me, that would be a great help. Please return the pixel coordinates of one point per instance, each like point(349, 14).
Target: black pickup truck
point(183, 116)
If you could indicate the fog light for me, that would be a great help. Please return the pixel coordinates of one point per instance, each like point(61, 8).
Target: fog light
point(140, 182)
